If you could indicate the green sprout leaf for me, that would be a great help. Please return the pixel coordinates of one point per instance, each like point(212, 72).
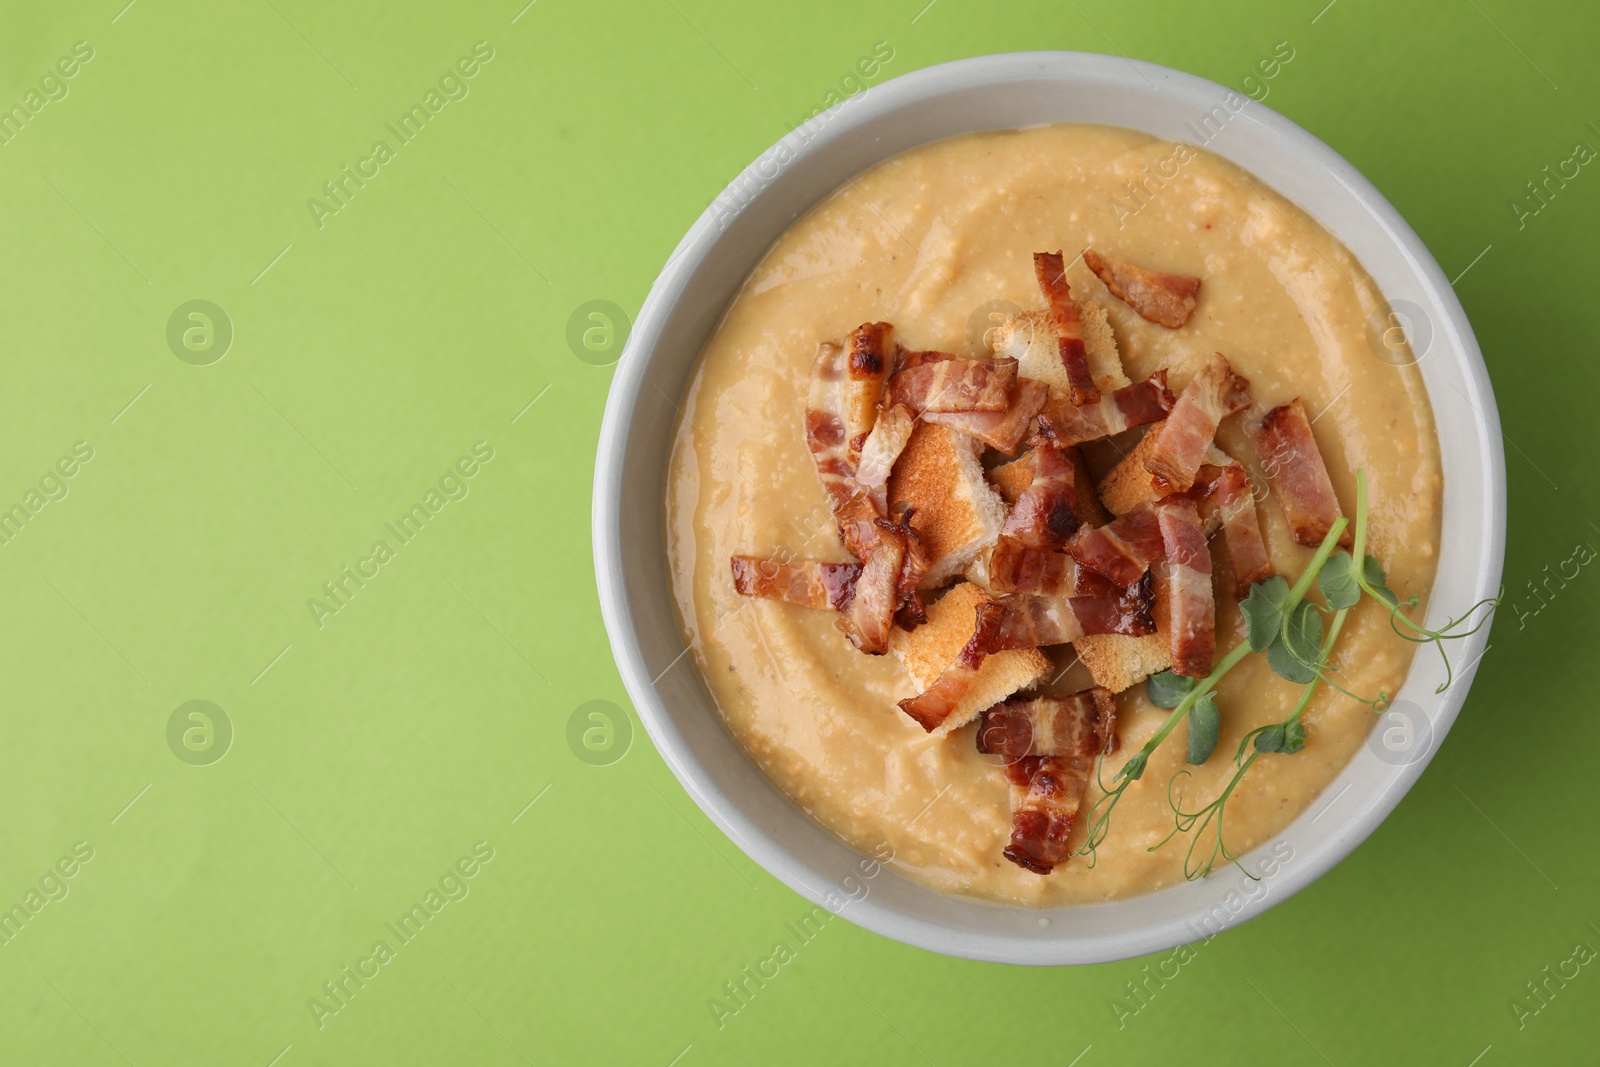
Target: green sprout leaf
point(1337, 581)
point(1263, 612)
point(1167, 690)
point(1296, 653)
point(1205, 723)
point(1270, 739)
point(1285, 666)
point(1372, 570)
point(1302, 634)
point(1285, 737)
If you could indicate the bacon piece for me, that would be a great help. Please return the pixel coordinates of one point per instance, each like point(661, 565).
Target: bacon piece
point(1051, 272)
point(879, 451)
point(1123, 549)
point(856, 512)
point(1003, 430)
point(1046, 795)
point(867, 619)
point(1192, 620)
point(1164, 299)
point(1133, 405)
point(1295, 471)
point(1030, 621)
point(825, 424)
point(1043, 515)
point(955, 385)
point(1224, 500)
point(868, 368)
point(1127, 614)
point(1082, 724)
point(1049, 748)
point(1241, 530)
point(1025, 556)
point(1213, 394)
point(859, 524)
point(933, 706)
point(804, 581)
point(1016, 568)
point(910, 612)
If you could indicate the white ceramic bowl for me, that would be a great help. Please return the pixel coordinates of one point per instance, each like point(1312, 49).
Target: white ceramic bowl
point(695, 288)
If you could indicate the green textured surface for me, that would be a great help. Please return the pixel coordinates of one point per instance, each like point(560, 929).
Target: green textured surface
point(371, 753)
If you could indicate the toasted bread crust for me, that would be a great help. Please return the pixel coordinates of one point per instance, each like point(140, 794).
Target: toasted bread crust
point(1010, 479)
point(1105, 362)
point(933, 646)
point(1030, 339)
point(957, 513)
point(1128, 484)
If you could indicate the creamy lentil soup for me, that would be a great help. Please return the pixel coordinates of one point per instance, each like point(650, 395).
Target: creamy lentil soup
point(924, 241)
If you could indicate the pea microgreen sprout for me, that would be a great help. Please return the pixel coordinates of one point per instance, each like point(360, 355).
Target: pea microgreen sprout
point(1272, 610)
point(1288, 628)
point(1341, 584)
point(1281, 603)
point(1288, 737)
point(1099, 820)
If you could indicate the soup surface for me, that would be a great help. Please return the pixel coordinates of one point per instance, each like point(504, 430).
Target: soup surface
point(936, 241)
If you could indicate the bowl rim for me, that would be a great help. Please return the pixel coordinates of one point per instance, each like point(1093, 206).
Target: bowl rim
point(609, 546)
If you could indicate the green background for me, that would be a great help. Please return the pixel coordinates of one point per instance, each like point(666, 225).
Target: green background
point(371, 753)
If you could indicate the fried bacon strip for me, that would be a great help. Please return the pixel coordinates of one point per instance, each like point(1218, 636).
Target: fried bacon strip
point(892, 559)
point(1123, 549)
point(1044, 515)
point(867, 363)
point(1016, 568)
point(825, 426)
point(1295, 471)
point(1164, 299)
point(1213, 394)
point(803, 581)
point(860, 523)
point(1241, 530)
point(1025, 557)
point(1030, 621)
point(879, 451)
point(955, 385)
point(1051, 272)
point(1224, 500)
point(1082, 724)
point(1191, 624)
point(909, 611)
point(867, 619)
point(933, 706)
point(1046, 796)
point(1133, 405)
point(855, 509)
point(1203, 493)
point(1049, 748)
point(1003, 430)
